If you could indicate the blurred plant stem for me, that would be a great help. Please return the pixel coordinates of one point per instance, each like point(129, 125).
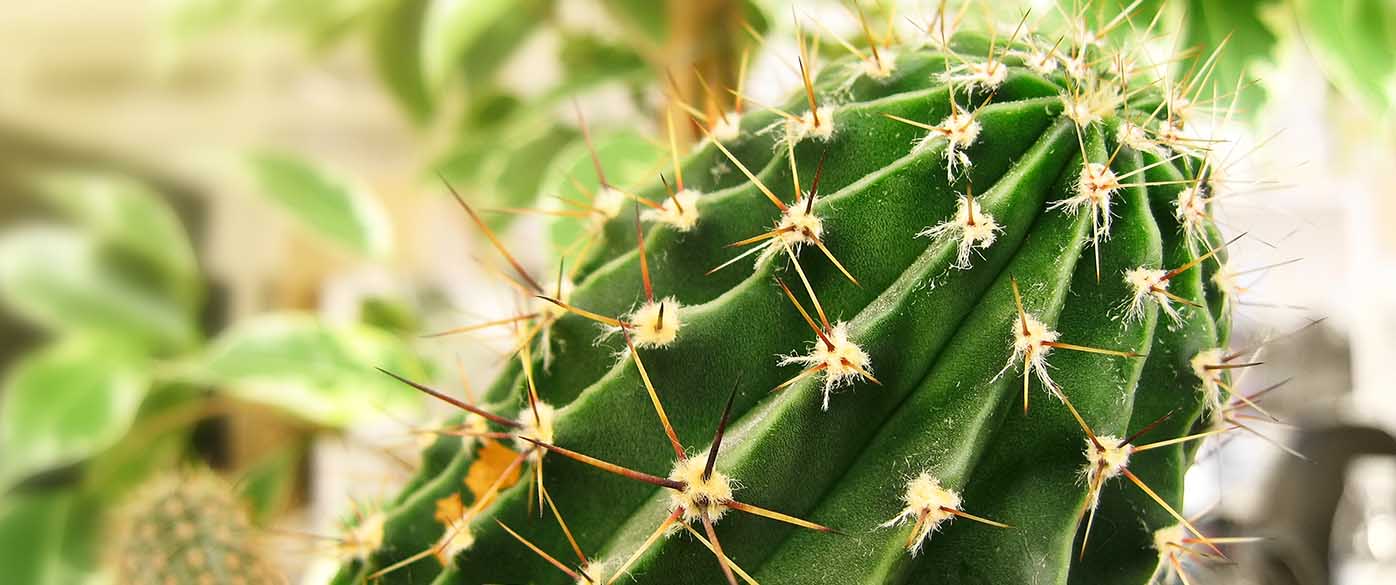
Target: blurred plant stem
point(705, 43)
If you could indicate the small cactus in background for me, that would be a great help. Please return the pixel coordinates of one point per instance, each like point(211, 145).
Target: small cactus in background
point(187, 529)
point(951, 314)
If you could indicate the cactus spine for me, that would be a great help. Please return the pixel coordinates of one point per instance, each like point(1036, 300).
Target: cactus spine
point(956, 298)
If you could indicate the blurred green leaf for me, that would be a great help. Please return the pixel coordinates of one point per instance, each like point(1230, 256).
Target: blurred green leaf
point(646, 17)
point(190, 19)
point(627, 157)
point(512, 175)
point(32, 530)
point(397, 38)
point(494, 46)
point(322, 373)
point(321, 22)
point(1248, 41)
point(129, 215)
point(450, 28)
point(587, 61)
point(394, 315)
point(66, 403)
point(332, 206)
point(1355, 41)
point(266, 484)
point(60, 278)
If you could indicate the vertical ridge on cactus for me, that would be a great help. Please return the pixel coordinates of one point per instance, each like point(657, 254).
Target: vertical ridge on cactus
point(877, 278)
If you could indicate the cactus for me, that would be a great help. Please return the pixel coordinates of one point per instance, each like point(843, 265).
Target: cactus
point(951, 314)
point(186, 528)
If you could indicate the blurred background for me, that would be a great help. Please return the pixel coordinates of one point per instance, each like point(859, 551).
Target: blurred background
point(217, 215)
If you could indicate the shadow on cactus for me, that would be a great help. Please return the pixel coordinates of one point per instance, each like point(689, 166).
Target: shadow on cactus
point(951, 314)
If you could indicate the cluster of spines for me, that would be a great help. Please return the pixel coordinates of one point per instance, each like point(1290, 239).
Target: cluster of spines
point(701, 494)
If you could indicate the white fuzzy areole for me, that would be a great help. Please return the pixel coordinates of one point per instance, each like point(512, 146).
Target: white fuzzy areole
point(1107, 460)
point(596, 570)
point(538, 429)
point(843, 363)
point(1076, 67)
point(927, 502)
point(882, 67)
point(727, 128)
point(1168, 538)
point(609, 201)
point(1226, 281)
point(1134, 136)
point(682, 216)
point(1091, 105)
point(988, 74)
point(699, 495)
point(1211, 378)
point(550, 309)
point(804, 127)
point(1148, 285)
point(1030, 339)
point(1097, 183)
point(973, 228)
point(798, 226)
point(1095, 186)
point(960, 128)
point(1190, 209)
point(1040, 62)
point(647, 331)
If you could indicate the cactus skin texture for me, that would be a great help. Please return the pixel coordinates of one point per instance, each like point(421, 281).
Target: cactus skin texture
point(996, 243)
point(187, 528)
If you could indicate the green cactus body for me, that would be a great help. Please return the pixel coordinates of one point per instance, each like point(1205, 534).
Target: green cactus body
point(186, 528)
point(974, 285)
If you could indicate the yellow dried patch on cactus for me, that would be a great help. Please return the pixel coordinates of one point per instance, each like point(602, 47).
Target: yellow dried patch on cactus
point(491, 464)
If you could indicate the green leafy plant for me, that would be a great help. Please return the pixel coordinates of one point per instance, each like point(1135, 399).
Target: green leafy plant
point(937, 318)
point(132, 366)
